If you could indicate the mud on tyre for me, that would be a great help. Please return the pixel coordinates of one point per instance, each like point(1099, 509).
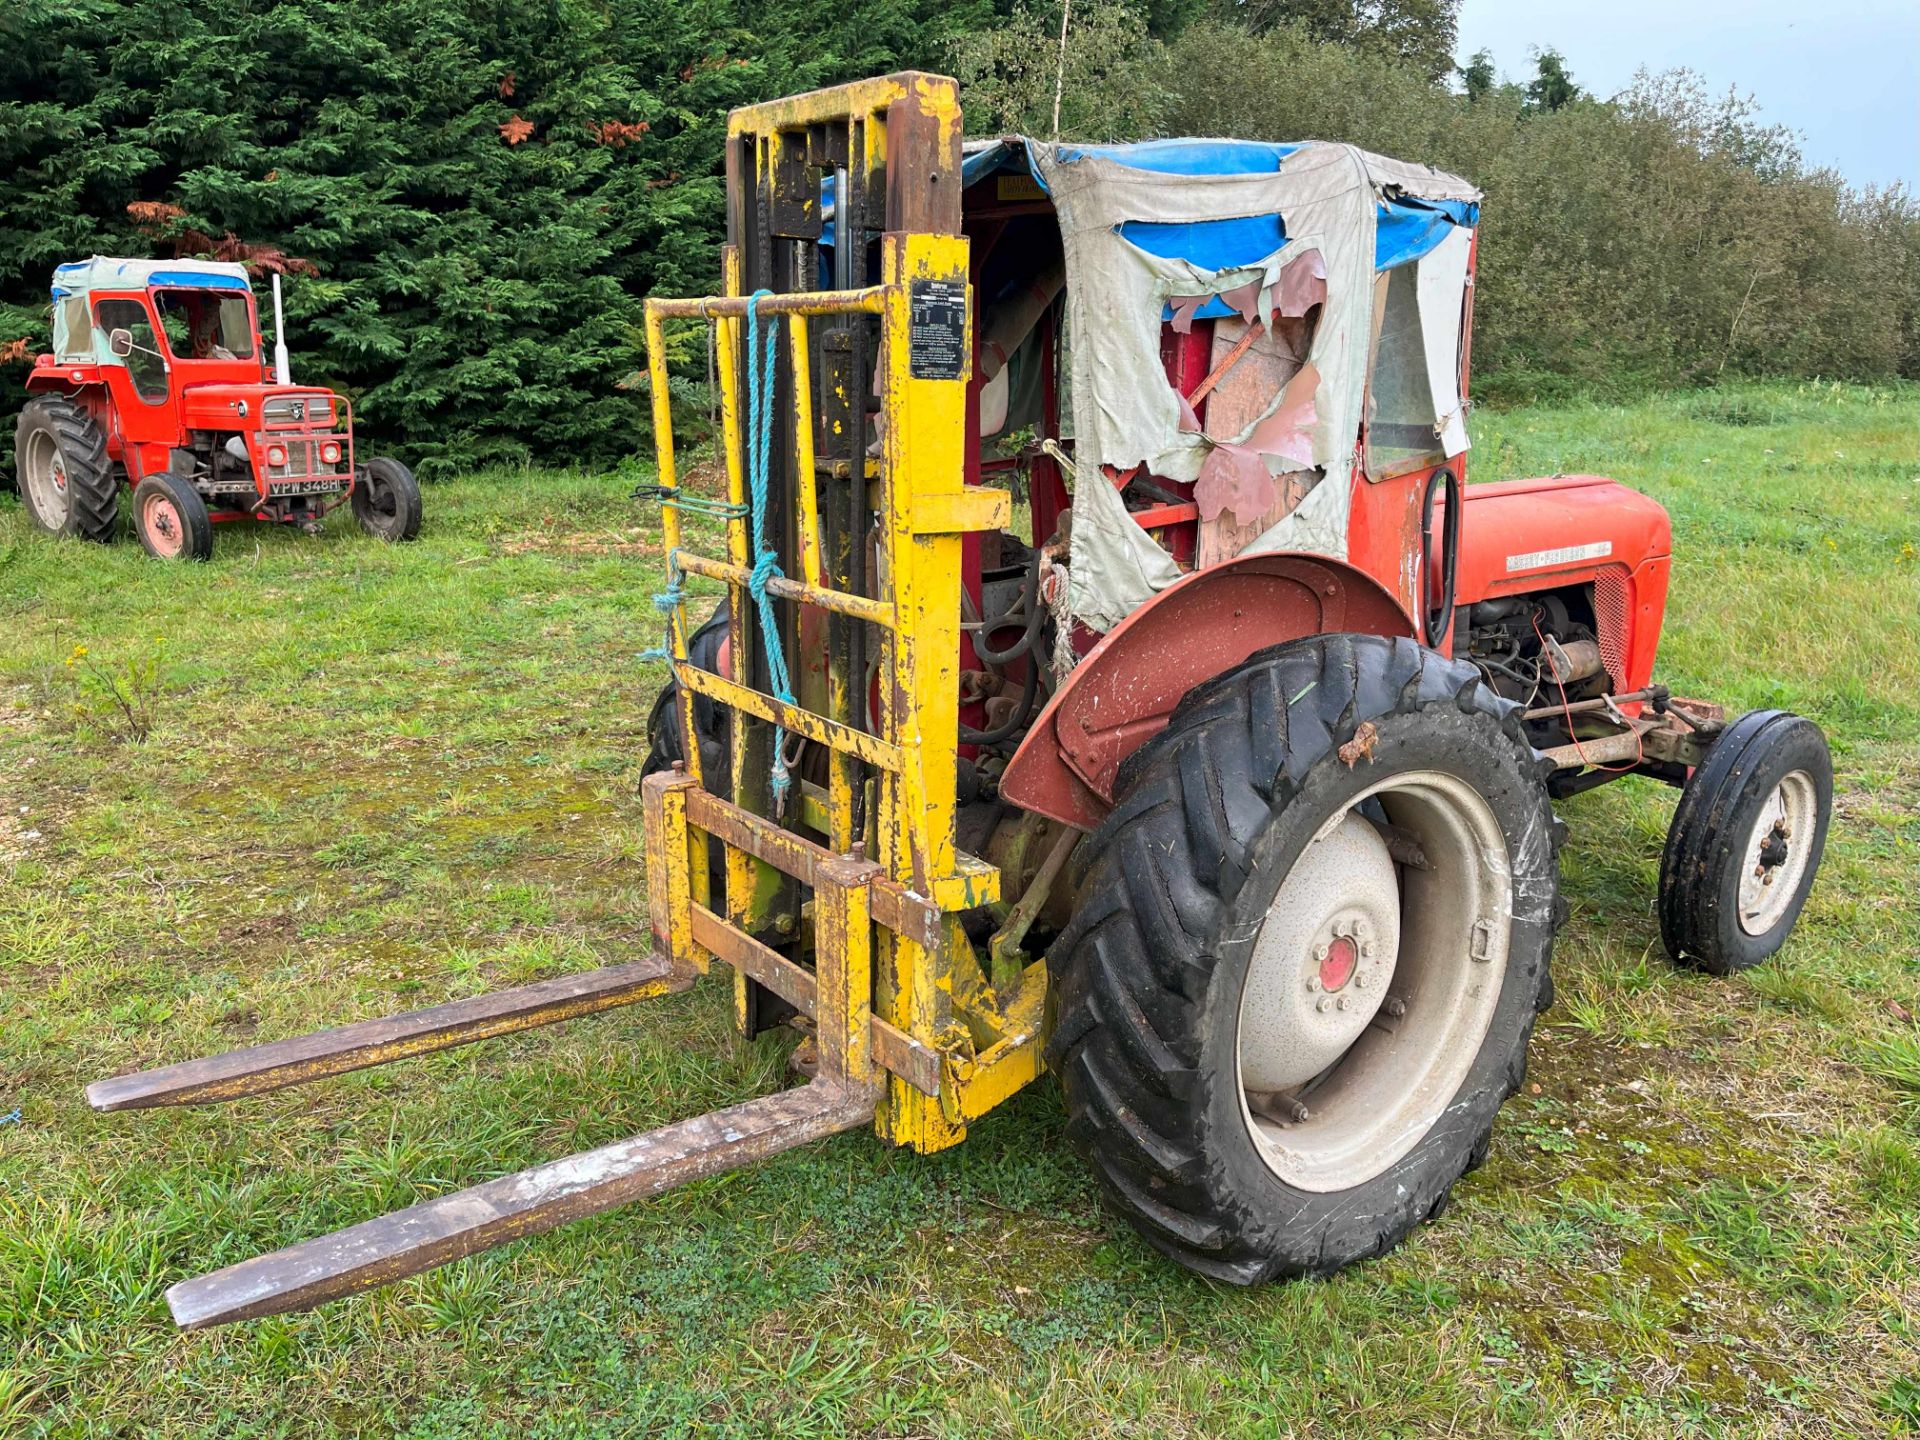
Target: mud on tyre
point(1342, 828)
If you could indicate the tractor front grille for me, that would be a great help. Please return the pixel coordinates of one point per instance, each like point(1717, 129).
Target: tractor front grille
point(1612, 610)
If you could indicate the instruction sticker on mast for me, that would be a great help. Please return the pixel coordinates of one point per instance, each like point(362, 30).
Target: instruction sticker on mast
point(937, 338)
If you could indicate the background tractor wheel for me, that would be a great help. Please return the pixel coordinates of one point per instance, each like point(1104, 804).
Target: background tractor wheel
point(665, 744)
point(66, 482)
point(1745, 843)
point(171, 519)
point(1311, 942)
point(386, 501)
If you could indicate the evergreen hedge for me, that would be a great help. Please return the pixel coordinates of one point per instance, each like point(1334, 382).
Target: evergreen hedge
point(486, 190)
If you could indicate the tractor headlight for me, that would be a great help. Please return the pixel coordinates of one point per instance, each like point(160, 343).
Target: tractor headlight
point(277, 456)
point(330, 452)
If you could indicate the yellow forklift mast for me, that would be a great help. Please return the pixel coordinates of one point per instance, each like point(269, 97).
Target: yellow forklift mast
point(853, 513)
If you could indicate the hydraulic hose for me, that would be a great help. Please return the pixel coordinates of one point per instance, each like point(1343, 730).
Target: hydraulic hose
point(1036, 616)
point(1029, 689)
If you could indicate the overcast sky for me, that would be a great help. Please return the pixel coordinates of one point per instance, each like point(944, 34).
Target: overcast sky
point(1844, 73)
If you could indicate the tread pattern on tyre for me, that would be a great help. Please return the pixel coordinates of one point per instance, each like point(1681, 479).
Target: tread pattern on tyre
point(1131, 970)
point(93, 489)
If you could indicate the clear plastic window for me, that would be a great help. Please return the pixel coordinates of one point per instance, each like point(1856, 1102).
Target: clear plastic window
point(144, 362)
point(206, 324)
point(1401, 425)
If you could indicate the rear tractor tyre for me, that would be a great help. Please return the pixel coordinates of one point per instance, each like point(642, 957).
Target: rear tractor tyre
point(1311, 942)
point(1746, 841)
point(386, 501)
point(171, 519)
point(66, 482)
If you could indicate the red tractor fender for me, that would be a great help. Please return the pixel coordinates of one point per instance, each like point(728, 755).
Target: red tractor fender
point(1122, 694)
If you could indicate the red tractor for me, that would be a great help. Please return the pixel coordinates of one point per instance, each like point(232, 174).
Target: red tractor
point(157, 381)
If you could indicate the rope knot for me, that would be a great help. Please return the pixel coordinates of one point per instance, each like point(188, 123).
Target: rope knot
point(765, 568)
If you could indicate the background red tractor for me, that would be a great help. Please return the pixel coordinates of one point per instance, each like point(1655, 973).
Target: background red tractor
point(158, 381)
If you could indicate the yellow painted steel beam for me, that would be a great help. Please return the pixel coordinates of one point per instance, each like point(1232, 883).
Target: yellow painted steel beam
point(922, 450)
point(870, 301)
point(824, 107)
point(843, 967)
point(668, 475)
point(670, 892)
point(859, 607)
point(806, 482)
point(826, 732)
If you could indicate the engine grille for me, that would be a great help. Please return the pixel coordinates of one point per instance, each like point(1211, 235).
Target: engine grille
point(1612, 606)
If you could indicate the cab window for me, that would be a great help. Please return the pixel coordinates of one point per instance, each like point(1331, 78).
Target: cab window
point(206, 325)
point(144, 363)
point(1402, 433)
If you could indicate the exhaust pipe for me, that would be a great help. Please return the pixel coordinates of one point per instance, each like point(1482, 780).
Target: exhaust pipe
point(281, 374)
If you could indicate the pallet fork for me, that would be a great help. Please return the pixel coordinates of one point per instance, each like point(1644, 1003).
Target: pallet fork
point(911, 1035)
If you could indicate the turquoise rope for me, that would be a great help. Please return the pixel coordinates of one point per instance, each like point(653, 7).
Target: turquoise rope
point(689, 501)
point(766, 563)
point(667, 602)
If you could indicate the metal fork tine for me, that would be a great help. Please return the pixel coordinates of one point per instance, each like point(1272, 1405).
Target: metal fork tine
point(301, 1058)
point(434, 1232)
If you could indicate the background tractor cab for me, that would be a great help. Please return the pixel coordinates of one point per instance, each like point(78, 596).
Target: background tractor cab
point(158, 382)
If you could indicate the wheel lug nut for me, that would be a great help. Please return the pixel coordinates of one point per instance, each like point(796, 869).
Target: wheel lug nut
point(1313, 982)
point(1360, 982)
point(1345, 1003)
point(1322, 1004)
point(1320, 952)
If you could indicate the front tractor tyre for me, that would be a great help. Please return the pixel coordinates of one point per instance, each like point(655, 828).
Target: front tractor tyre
point(1746, 840)
point(386, 500)
point(171, 519)
point(66, 481)
point(1311, 942)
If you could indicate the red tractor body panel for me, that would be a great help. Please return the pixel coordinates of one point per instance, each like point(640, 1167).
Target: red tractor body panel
point(1525, 536)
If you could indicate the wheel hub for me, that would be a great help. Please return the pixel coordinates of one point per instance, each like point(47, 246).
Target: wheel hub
point(1323, 959)
point(1776, 853)
point(1338, 959)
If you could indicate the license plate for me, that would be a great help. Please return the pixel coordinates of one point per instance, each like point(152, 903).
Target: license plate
point(306, 487)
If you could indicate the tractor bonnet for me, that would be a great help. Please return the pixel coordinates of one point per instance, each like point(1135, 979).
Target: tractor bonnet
point(75, 340)
point(1171, 231)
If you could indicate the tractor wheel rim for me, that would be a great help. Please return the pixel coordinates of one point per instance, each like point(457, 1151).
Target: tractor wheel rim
point(1774, 862)
point(45, 469)
point(161, 519)
point(1371, 986)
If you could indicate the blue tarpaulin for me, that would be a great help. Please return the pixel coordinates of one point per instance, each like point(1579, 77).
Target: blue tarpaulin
point(1407, 228)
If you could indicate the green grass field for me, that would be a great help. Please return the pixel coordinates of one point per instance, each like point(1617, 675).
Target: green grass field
point(381, 778)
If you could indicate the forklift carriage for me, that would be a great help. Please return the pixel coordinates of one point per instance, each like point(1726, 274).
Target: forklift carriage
point(1221, 784)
